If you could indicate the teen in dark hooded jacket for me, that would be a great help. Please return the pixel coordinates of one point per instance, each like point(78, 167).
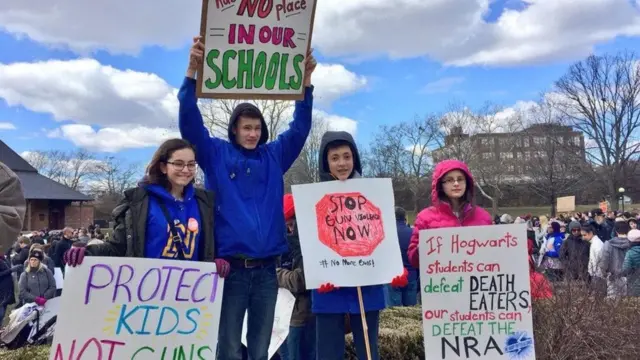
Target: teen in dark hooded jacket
point(339, 160)
point(142, 228)
point(246, 173)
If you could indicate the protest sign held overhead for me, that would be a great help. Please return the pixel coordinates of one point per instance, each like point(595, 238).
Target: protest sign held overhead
point(143, 309)
point(476, 298)
point(255, 49)
point(348, 234)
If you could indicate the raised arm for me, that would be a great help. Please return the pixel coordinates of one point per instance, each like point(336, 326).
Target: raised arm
point(289, 144)
point(190, 119)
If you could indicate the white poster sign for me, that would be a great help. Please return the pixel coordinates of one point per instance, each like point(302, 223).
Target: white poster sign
point(255, 48)
point(475, 293)
point(284, 308)
point(144, 309)
point(59, 277)
point(348, 234)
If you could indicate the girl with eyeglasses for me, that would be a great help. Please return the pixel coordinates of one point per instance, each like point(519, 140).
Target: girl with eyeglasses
point(164, 217)
point(452, 205)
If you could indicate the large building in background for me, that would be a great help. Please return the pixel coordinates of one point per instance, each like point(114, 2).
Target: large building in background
point(518, 154)
point(49, 204)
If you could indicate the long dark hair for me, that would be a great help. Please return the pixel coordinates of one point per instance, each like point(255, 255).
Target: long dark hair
point(154, 174)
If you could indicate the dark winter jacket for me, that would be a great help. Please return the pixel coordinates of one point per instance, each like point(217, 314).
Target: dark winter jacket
point(61, 247)
point(574, 254)
point(293, 280)
point(631, 269)
point(35, 283)
point(130, 216)
point(345, 299)
point(404, 237)
point(248, 184)
point(7, 290)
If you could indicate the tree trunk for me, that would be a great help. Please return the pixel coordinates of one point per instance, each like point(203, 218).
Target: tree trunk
point(494, 202)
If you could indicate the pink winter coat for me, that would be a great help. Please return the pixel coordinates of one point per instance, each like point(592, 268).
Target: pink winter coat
point(440, 215)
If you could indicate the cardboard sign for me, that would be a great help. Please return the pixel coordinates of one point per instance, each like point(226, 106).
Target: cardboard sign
point(348, 234)
point(143, 309)
point(255, 49)
point(476, 298)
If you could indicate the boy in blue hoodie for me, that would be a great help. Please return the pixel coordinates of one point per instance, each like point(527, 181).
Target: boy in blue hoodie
point(246, 174)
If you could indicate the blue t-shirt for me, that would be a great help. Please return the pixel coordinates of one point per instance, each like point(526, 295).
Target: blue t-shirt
point(186, 218)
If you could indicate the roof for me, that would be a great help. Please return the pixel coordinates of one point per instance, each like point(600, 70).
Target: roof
point(39, 187)
point(14, 161)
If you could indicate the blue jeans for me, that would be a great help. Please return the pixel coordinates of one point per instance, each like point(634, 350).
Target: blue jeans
point(255, 291)
point(406, 296)
point(330, 335)
point(301, 342)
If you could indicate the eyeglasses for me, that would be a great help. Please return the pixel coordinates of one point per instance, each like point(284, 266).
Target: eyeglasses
point(451, 181)
point(179, 165)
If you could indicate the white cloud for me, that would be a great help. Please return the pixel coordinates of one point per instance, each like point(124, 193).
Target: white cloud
point(113, 109)
point(113, 139)
point(451, 31)
point(442, 85)
point(337, 122)
point(7, 126)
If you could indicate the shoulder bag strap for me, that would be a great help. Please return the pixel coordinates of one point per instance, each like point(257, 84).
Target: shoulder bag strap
point(177, 240)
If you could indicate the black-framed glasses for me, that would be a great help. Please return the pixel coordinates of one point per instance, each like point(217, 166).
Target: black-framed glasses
point(179, 165)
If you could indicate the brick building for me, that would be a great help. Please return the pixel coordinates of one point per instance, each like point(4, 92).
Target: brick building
point(515, 152)
point(49, 203)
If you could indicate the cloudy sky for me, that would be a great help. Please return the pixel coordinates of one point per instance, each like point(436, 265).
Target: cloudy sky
point(104, 75)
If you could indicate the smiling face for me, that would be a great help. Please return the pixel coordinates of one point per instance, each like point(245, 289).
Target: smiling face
point(340, 161)
point(248, 132)
point(180, 168)
point(454, 184)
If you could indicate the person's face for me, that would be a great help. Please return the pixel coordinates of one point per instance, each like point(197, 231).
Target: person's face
point(68, 234)
point(586, 236)
point(454, 184)
point(248, 132)
point(576, 232)
point(633, 225)
point(340, 161)
point(180, 168)
point(34, 262)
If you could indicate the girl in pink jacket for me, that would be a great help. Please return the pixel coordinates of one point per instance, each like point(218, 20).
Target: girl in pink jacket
point(452, 192)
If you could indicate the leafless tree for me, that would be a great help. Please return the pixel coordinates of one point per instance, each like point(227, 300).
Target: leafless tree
point(553, 165)
point(599, 96)
point(69, 168)
point(403, 152)
point(462, 139)
point(305, 169)
point(216, 115)
point(112, 177)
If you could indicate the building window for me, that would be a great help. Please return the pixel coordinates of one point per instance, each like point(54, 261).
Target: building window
point(506, 155)
point(504, 142)
point(511, 168)
point(576, 140)
point(526, 142)
point(486, 141)
point(538, 140)
point(487, 156)
point(527, 155)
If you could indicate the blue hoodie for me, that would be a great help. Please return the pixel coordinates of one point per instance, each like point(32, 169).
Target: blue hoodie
point(344, 300)
point(185, 214)
point(249, 184)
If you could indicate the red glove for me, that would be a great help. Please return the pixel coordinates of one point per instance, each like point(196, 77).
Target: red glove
point(402, 280)
point(41, 301)
point(74, 256)
point(326, 288)
point(223, 267)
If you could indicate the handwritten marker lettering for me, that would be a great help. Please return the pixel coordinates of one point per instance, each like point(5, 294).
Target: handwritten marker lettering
point(131, 307)
point(476, 297)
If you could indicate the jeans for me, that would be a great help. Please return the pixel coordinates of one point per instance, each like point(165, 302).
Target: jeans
point(3, 309)
point(330, 335)
point(301, 342)
point(253, 290)
point(406, 296)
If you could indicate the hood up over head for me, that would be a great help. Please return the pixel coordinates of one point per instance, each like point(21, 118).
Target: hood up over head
point(337, 138)
point(442, 168)
point(240, 110)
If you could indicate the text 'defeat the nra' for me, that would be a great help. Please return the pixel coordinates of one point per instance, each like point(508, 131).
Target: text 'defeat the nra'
point(475, 293)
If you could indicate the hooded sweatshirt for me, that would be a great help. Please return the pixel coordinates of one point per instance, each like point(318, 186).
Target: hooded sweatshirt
point(440, 213)
point(248, 184)
point(612, 256)
point(345, 299)
point(185, 215)
point(574, 254)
